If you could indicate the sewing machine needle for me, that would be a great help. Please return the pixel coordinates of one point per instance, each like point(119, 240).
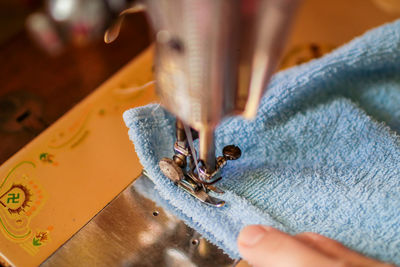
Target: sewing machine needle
point(191, 145)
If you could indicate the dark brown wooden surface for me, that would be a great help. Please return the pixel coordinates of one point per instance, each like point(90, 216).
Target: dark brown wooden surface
point(56, 84)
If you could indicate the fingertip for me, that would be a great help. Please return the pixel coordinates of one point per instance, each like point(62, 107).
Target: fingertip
point(252, 234)
point(266, 246)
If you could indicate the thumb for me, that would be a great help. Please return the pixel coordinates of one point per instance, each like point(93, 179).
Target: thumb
point(265, 246)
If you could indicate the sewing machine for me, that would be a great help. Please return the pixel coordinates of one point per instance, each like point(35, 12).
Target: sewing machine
point(213, 59)
point(199, 79)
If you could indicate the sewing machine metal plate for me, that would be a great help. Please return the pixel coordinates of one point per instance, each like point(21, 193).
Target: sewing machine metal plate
point(137, 232)
point(55, 190)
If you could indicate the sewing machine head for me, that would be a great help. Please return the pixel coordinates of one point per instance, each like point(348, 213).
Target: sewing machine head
point(213, 59)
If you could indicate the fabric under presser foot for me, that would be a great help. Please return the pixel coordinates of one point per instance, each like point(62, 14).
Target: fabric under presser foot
point(323, 154)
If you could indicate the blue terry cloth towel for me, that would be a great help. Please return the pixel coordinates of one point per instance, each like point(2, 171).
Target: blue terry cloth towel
point(323, 154)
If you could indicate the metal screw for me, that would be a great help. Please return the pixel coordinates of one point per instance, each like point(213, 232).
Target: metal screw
point(170, 169)
point(176, 44)
point(231, 152)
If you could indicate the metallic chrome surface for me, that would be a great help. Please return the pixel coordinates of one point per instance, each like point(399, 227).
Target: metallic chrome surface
point(202, 195)
point(133, 231)
point(190, 146)
point(231, 152)
point(170, 169)
point(273, 19)
point(194, 177)
point(207, 148)
point(214, 58)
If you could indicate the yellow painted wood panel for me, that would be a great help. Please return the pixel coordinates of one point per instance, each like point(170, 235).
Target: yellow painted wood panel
point(72, 170)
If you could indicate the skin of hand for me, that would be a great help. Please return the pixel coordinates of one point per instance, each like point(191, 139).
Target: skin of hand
point(263, 246)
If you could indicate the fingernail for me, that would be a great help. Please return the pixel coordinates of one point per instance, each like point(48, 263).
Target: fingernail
point(252, 234)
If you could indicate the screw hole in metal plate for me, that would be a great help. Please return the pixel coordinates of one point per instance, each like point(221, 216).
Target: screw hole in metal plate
point(195, 242)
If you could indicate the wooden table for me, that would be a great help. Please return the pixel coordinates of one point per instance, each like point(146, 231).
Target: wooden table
point(56, 84)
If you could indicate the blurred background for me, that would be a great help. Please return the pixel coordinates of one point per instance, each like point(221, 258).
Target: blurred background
point(39, 84)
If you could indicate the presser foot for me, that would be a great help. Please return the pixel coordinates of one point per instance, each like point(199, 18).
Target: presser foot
point(197, 182)
point(186, 182)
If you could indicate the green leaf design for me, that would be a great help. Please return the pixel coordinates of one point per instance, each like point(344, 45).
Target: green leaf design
point(46, 157)
point(36, 242)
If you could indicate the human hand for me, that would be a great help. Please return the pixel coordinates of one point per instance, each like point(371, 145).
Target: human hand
point(264, 246)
